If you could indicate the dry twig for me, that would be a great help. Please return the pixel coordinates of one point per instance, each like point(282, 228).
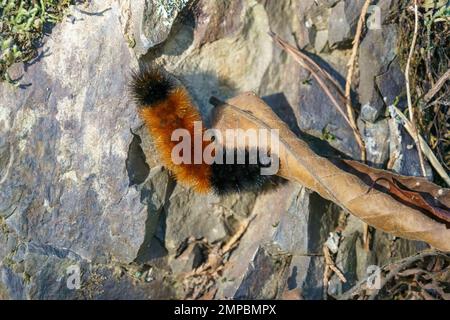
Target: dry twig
point(351, 69)
point(393, 270)
point(320, 76)
point(437, 86)
point(400, 266)
point(206, 274)
point(408, 89)
point(330, 267)
point(424, 147)
point(350, 111)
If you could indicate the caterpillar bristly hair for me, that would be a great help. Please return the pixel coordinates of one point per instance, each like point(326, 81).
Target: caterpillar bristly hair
point(165, 105)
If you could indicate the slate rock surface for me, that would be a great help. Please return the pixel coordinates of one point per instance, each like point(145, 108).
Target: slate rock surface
point(82, 188)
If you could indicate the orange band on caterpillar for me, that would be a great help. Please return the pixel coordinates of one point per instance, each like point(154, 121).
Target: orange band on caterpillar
point(164, 106)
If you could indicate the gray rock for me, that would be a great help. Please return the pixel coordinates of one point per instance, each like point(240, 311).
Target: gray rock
point(306, 224)
point(105, 283)
point(155, 192)
point(291, 233)
point(67, 180)
point(192, 215)
point(403, 151)
point(288, 246)
point(371, 111)
point(67, 136)
point(354, 261)
point(342, 22)
point(314, 34)
point(12, 285)
point(319, 18)
point(376, 137)
point(382, 7)
point(51, 273)
point(281, 92)
point(301, 232)
point(391, 84)
point(317, 115)
point(347, 257)
point(50, 270)
point(189, 259)
point(268, 210)
point(378, 50)
point(19, 254)
point(211, 26)
point(321, 40)
point(82, 184)
point(264, 277)
point(148, 23)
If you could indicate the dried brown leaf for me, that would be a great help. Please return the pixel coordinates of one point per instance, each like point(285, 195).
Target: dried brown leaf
point(415, 198)
point(299, 163)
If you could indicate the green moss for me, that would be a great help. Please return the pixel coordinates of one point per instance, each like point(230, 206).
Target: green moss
point(8, 262)
point(3, 227)
point(170, 7)
point(22, 27)
point(327, 135)
point(26, 278)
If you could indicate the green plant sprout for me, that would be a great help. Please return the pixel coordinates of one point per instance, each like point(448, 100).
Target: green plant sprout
point(22, 26)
